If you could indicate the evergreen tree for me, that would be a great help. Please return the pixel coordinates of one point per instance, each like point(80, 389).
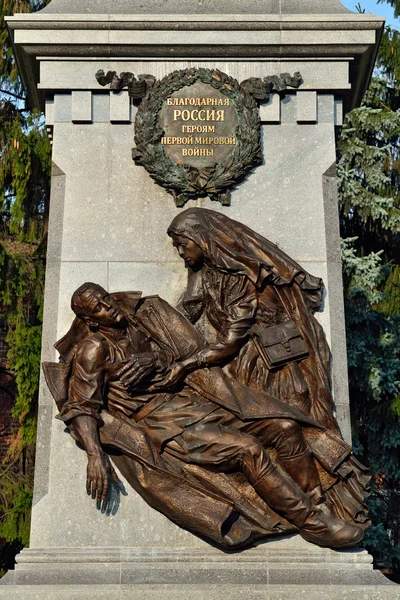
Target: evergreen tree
point(369, 186)
point(394, 3)
point(25, 161)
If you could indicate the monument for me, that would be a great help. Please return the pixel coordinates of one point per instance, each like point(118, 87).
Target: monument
point(214, 436)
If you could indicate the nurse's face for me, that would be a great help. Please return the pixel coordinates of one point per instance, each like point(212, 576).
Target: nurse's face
point(188, 250)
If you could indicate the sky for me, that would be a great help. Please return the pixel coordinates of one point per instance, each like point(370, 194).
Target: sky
point(371, 6)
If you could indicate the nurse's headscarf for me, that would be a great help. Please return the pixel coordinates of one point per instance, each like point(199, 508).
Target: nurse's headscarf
point(232, 247)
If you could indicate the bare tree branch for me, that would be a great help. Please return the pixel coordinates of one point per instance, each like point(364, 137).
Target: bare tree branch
point(12, 94)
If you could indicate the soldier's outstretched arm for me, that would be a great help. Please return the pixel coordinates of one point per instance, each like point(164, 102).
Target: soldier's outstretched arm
point(99, 470)
point(82, 413)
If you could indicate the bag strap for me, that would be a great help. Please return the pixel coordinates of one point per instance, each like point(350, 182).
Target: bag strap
point(283, 302)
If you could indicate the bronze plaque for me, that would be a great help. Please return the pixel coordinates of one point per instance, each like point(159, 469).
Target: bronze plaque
point(199, 125)
point(197, 133)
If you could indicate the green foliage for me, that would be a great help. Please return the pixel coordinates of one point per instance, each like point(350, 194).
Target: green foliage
point(391, 301)
point(394, 3)
point(373, 343)
point(25, 345)
point(369, 172)
point(24, 172)
point(25, 162)
point(369, 186)
point(17, 510)
point(373, 357)
point(388, 61)
point(362, 273)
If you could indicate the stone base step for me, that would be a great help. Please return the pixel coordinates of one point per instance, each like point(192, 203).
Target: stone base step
point(266, 565)
point(201, 592)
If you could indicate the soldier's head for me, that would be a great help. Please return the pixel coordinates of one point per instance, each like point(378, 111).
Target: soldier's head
point(96, 307)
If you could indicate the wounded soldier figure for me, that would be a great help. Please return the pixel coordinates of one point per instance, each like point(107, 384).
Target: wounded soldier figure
point(227, 462)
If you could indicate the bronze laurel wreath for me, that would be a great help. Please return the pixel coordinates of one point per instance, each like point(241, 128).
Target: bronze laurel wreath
point(184, 181)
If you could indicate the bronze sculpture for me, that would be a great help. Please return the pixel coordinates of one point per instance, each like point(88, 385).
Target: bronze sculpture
point(251, 291)
point(239, 279)
point(198, 450)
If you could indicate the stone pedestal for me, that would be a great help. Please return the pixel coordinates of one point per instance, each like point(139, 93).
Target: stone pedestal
point(279, 570)
point(108, 224)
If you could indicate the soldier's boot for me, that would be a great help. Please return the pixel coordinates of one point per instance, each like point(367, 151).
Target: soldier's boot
point(285, 497)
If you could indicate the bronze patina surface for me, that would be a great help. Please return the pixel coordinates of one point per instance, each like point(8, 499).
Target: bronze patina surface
point(201, 140)
point(214, 450)
point(197, 131)
point(199, 125)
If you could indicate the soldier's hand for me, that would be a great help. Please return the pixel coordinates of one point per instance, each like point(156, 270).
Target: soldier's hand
point(99, 471)
point(137, 368)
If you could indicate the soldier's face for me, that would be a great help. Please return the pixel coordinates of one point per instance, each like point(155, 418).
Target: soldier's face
point(102, 309)
point(188, 250)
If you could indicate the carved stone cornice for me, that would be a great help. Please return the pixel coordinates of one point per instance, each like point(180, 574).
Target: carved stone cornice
point(338, 34)
point(191, 7)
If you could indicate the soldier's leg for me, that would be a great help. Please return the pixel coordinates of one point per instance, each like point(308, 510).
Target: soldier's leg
point(222, 448)
point(226, 449)
point(293, 454)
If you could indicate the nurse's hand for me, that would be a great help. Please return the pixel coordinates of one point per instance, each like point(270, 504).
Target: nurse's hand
point(176, 373)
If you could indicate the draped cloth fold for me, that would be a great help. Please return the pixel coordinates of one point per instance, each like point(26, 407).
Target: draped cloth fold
point(280, 289)
point(223, 508)
point(232, 248)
